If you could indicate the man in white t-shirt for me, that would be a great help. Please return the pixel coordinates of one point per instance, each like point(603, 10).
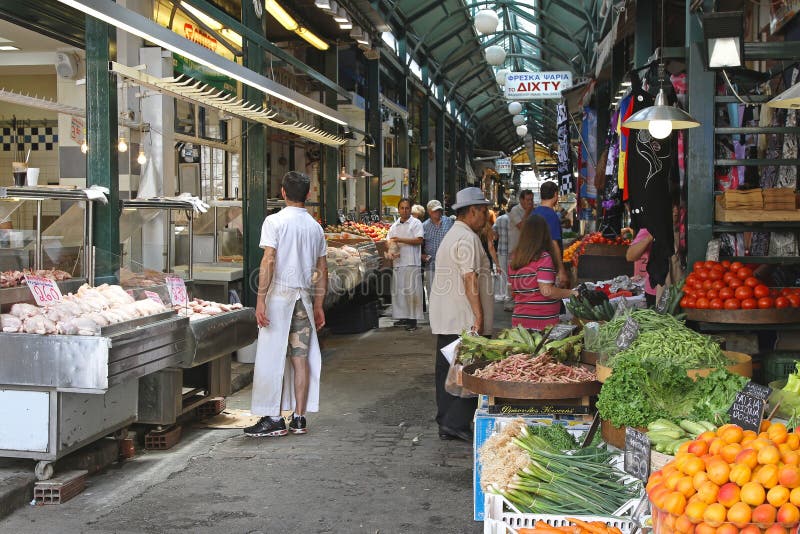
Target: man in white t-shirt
point(516, 216)
point(293, 279)
point(407, 233)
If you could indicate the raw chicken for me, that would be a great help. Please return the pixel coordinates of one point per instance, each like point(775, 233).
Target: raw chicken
point(115, 294)
point(39, 324)
point(98, 318)
point(81, 326)
point(10, 323)
point(149, 307)
point(23, 310)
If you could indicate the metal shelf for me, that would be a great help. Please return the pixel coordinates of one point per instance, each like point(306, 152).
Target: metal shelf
point(755, 226)
point(727, 130)
point(733, 327)
point(763, 259)
point(157, 204)
point(755, 99)
point(42, 193)
point(756, 162)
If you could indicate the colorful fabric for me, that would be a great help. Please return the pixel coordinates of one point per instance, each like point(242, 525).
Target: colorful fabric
point(531, 308)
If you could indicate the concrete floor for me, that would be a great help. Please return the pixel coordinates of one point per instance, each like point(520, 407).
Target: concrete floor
point(355, 471)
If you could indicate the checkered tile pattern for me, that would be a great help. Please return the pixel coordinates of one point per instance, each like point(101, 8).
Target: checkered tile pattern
point(35, 138)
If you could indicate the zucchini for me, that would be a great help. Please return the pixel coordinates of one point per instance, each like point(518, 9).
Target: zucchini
point(665, 435)
point(692, 427)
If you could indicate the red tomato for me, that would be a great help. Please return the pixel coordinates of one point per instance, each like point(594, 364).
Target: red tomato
point(718, 284)
point(707, 284)
point(699, 284)
point(744, 273)
point(735, 283)
point(760, 290)
point(749, 304)
point(697, 265)
point(712, 294)
point(699, 293)
point(702, 274)
point(726, 263)
point(782, 302)
point(685, 302)
point(774, 292)
point(688, 291)
point(794, 300)
point(716, 274)
point(726, 293)
point(735, 266)
point(785, 292)
point(691, 279)
point(752, 281)
point(727, 277)
point(743, 292)
point(716, 304)
point(765, 302)
point(710, 264)
point(702, 303)
point(732, 304)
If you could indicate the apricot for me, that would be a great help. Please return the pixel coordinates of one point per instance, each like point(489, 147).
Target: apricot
point(698, 479)
point(789, 476)
point(748, 457)
point(740, 474)
point(708, 492)
point(686, 487)
point(695, 510)
point(793, 441)
point(765, 424)
point(740, 514)
point(778, 496)
point(683, 525)
point(728, 494)
point(731, 434)
point(764, 514)
point(675, 503)
point(672, 480)
point(794, 497)
point(759, 443)
point(727, 528)
point(698, 447)
point(776, 529)
point(715, 446)
point(718, 472)
point(788, 514)
point(778, 433)
point(707, 436)
point(791, 458)
point(705, 528)
point(750, 529)
point(715, 514)
point(753, 494)
point(693, 465)
point(730, 451)
point(769, 455)
point(767, 476)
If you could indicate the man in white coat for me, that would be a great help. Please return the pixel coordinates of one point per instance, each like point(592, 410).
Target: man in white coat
point(293, 279)
point(407, 234)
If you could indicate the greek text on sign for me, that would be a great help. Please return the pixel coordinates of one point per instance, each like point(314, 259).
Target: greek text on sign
point(177, 291)
point(44, 290)
point(537, 85)
point(152, 295)
point(503, 165)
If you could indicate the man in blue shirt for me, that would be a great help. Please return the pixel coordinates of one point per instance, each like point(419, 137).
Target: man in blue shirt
point(434, 228)
point(549, 198)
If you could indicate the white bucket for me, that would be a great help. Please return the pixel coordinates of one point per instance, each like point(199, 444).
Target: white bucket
point(32, 178)
point(247, 354)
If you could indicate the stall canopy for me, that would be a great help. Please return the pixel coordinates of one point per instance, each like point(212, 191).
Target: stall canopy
point(537, 35)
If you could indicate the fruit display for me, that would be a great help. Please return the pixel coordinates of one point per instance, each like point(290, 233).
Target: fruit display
point(375, 231)
point(730, 481)
point(569, 252)
point(667, 437)
point(595, 238)
point(732, 286)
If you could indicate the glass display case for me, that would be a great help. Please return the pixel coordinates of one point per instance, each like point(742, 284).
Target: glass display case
point(351, 262)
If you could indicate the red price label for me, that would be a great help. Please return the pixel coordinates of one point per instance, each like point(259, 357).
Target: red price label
point(177, 291)
point(154, 297)
point(44, 290)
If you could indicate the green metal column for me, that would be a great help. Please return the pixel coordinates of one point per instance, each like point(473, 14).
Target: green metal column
point(254, 163)
point(401, 126)
point(439, 150)
point(102, 163)
point(452, 171)
point(425, 139)
point(700, 161)
point(643, 32)
point(329, 173)
point(374, 128)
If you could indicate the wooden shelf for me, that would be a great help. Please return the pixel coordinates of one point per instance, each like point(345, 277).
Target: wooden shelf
point(753, 215)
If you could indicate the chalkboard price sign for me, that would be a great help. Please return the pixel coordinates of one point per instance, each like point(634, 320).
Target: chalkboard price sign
point(628, 333)
point(663, 302)
point(747, 411)
point(637, 454)
point(757, 390)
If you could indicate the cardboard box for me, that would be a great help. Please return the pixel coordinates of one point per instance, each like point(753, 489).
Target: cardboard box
point(487, 424)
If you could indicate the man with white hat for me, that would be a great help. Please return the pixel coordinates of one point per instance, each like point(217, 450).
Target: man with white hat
point(434, 230)
point(461, 300)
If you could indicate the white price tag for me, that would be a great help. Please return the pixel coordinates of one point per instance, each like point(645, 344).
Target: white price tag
point(154, 296)
point(44, 290)
point(177, 291)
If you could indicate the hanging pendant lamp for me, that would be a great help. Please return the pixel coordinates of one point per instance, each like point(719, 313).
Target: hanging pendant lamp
point(495, 55)
point(661, 118)
point(515, 108)
point(486, 21)
point(519, 120)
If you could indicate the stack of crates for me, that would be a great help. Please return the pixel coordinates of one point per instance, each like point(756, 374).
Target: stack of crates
point(779, 364)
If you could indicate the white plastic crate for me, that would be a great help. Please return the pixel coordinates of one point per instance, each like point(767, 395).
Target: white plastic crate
point(499, 521)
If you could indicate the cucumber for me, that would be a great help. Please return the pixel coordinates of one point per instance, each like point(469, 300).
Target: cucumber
point(665, 435)
point(664, 424)
point(710, 427)
point(673, 447)
point(692, 427)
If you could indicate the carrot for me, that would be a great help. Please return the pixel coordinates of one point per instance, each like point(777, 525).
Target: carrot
point(594, 529)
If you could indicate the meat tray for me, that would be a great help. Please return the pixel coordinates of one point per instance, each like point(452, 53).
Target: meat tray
point(93, 364)
point(525, 390)
point(13, 295)
point(217, 335)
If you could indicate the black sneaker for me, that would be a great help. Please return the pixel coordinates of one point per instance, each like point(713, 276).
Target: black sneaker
point(267, 427)
point(298, 425)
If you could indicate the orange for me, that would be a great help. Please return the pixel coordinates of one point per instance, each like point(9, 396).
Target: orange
point(675, 503)
point(708, 492)
point(769, 455)
point(778, 496)
point(730, 451)
point(718, 472)
point(695, 510)
point(739, 514)
point(686, 487)
point(767, 476)
point(794, 497)
point(731, 433)
point(748, 457)
point(788, 514)
point(740, 474)
point(715, 514)
point(753, 493)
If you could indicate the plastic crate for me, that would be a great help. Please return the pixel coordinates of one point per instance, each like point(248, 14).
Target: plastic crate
point(500, 521)
point(778, 365)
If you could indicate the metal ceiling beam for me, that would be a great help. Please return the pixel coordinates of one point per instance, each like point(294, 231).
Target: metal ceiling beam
point(411, 18)
point(446, 37)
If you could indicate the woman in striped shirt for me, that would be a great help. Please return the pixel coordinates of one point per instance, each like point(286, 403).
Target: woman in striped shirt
point(532, 276)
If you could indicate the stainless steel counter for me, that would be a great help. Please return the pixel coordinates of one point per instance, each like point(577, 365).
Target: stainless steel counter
point(93, 364)
point(218, 335)
point(12, 295)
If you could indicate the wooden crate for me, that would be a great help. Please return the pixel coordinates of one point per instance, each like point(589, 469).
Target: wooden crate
point(723, 215)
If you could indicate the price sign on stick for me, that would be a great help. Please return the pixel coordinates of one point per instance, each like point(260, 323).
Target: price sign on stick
point(153, 296)
point(747, 411)
point(628, 333)
point(177, 291)
point(757, 390)
point(637, 454)
point(44, 290)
